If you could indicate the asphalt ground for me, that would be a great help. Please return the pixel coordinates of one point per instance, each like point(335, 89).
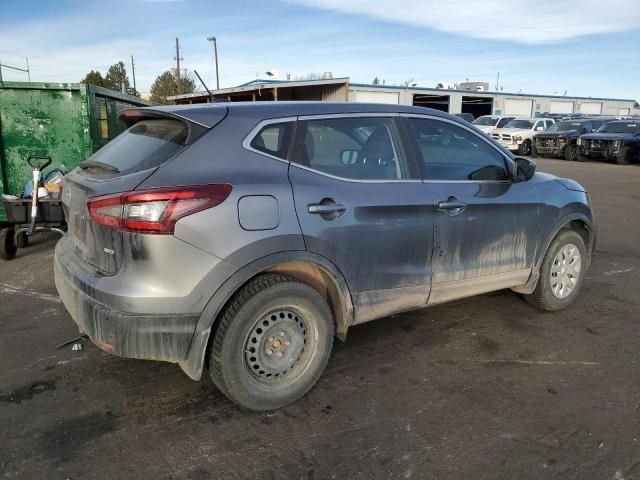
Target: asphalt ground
point(483, 388)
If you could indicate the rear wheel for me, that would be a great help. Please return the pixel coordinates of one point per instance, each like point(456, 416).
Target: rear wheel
point(561, 273)
point(624, 157)
point(8, 247)
point(272, 344)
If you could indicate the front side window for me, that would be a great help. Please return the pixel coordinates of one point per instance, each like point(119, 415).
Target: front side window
point(274, 139)
point(363, 148)
point(449, 152)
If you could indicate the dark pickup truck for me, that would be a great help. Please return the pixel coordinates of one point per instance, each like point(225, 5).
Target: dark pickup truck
point(619, 141)
point(559, 140)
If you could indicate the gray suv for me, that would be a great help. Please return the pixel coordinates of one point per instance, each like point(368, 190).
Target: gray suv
point(245, 236)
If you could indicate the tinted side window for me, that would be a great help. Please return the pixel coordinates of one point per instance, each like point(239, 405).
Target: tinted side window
point(449, 152)
point(596, 124)
point(364, 148)
point(274, 139)
point(503, 121)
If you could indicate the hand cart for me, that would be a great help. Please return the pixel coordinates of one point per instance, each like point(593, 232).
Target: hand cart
point(27, 217)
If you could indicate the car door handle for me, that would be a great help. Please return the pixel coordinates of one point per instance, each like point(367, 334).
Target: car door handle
point(452, 206)
point(324, 209)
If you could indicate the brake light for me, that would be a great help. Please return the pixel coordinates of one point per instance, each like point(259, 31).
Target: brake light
point(155, 210)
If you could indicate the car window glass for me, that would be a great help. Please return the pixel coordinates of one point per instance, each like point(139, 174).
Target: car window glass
point(503, 121)
point(365, 148)
point(449, 152)
point(274, 139)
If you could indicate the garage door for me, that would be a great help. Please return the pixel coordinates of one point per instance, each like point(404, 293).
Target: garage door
point(561, 106)
point(623, 111)
point(591, 108)
point(377, 97)
point(518, 106)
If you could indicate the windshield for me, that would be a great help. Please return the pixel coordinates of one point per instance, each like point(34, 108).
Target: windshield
point(490, 121)
point(618, 127)
point(524, 124)
point(564, 127)
point(144, 145)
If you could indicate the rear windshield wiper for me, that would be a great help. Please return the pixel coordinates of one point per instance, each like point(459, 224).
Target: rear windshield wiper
point(96, 164)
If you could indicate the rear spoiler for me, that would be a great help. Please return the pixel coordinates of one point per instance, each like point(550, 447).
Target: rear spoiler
point(198, 119)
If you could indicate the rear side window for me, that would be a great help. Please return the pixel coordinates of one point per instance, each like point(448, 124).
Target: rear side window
point(363, 148)
point(274, 139)
point(147, 144)
point(449, 152)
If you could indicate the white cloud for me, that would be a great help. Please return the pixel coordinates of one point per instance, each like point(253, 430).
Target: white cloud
point(521, 21)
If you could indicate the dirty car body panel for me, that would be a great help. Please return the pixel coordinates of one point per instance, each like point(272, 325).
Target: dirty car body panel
point(376, 245)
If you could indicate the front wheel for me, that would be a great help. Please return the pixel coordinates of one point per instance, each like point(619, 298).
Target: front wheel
point(561, 273)
point(570, 153)
point(624, 157)
point(272, 344)
point(525, 148)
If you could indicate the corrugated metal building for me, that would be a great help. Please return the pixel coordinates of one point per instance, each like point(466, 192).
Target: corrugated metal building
point(452, 101)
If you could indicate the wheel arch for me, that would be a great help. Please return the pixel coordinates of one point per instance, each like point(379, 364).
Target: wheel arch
point(577, 222)
point(312, 269)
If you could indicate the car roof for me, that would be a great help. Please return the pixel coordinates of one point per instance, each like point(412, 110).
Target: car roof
point(205, 113)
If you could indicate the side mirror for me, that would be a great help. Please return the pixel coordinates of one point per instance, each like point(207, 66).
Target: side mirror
point(524, 169)
point(349, 157)
point(539, 128)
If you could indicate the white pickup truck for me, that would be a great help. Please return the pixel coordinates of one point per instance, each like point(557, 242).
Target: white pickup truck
point(517, 135)
point(486, 123)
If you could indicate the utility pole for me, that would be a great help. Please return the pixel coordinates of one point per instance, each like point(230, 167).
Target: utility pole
point(177, 59)
point(215, 54)
point(133, 74)
point(28, 71)
point(498, 82)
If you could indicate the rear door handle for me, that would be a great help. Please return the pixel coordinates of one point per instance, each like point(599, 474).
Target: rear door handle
point(324, 209)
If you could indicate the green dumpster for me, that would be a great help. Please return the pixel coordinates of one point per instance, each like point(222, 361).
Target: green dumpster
point(66, 121)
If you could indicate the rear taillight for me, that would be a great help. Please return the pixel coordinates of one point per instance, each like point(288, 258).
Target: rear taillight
point(156, 210)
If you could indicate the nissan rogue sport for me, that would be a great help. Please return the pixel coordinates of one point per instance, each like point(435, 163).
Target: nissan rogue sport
point(246, 236)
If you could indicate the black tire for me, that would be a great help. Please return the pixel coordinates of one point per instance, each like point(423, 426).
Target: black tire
point(543, 296)
point(23, 240)
point(570, 152)
point(624, 157)
point(7, 243)
point(534, 152)
point(268, 312)
point(525, 148)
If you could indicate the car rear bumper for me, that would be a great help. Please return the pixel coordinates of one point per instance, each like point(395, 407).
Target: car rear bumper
point(150, 308)
point(148, 336)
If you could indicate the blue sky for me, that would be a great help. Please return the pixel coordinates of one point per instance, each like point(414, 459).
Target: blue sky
point(586, 47)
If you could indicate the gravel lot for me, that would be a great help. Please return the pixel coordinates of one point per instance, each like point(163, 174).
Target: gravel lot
point(483, 388)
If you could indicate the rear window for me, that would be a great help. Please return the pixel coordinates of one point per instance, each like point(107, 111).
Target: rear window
point(147, 144)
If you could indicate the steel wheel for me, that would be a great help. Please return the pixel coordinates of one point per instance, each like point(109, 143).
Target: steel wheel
point(276, 344)
point(565, 271)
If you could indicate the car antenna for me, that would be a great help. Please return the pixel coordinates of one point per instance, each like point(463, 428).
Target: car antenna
point(204, 85)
